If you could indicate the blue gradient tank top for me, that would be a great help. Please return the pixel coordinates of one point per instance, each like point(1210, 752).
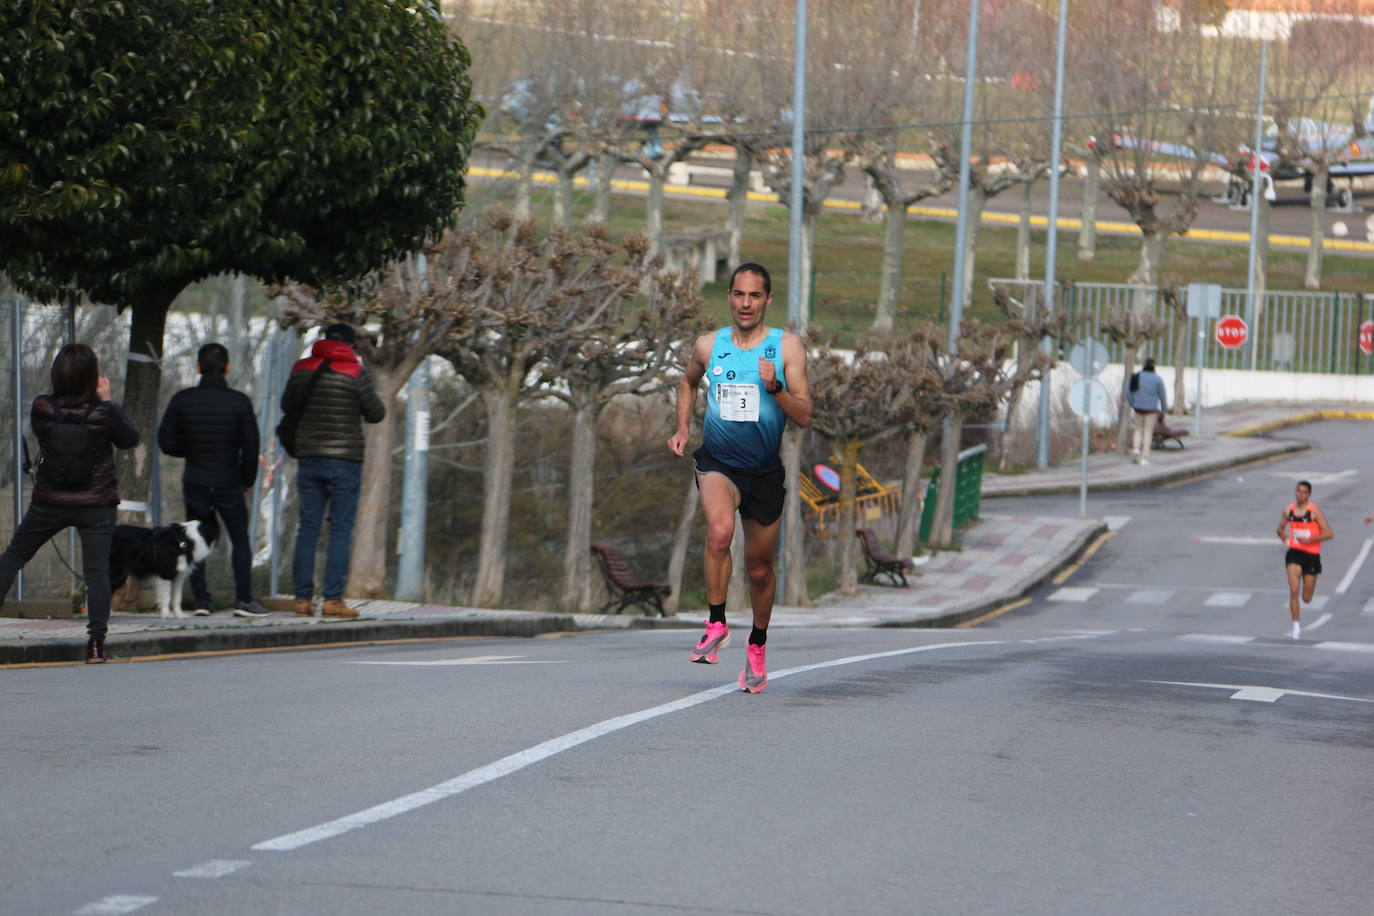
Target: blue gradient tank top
point(744, 424)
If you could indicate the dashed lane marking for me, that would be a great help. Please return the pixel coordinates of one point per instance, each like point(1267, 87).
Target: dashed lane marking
point(1261, 694)
point(1355, 567)
point(1228, 599)
point(215, 868)
point(1072, 593)
point(1150, 596)
point(113, 906)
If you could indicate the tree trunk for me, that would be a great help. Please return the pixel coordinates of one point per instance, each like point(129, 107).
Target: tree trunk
point(871, 210)
point(1087, 233)
point(942, 526)
point(997, 446)
point(677, 559)
point(140, 399)
point(601, 198)
point(1125, 415)
point(909, 517)
point(524, 187)
point(1312, 279)
point(738, 196)
point(890, 273)
point(563, 199)
point(848, 583)
point(653, 209)
point(368, 562)
point(794, 549)
point(1023, 232)
point(977, 200)
point(576, 594)
point(498, 468)
point(1178, 405)
point(1147, 268)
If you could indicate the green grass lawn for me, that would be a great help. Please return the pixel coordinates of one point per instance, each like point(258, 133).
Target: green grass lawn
point(849, 252)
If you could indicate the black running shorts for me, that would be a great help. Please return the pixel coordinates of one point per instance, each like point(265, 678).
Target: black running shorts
point(761, 490)
point(1311, 563)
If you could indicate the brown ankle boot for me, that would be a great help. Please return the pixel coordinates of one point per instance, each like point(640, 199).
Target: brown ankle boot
point(335, 607)
point(304, 608)
point(95, 651)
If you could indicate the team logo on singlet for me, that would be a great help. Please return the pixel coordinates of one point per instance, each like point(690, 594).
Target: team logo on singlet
point(770, 352)
point(730, 375)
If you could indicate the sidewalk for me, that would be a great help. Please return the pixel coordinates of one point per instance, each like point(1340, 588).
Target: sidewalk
point(1002, 558)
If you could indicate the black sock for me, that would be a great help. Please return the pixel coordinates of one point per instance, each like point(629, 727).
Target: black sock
point(717, 612)
point(758, 637)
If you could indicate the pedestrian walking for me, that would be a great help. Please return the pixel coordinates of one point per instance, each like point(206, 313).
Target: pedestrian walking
point(78, 428)
point(756, 382)
point(1302, 527)
point(329, 395)
point(1150, 403)
point(214, 428)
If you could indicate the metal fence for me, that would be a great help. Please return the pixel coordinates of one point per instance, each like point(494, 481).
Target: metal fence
point(1294, 331)
point(31, 333)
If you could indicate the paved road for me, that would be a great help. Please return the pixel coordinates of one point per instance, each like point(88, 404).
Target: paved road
point(1093, 751)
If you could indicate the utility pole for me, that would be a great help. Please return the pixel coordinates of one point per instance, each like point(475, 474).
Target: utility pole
point(965, 150)
point(1042, 439)
point(1255, 160)
point(410, 544)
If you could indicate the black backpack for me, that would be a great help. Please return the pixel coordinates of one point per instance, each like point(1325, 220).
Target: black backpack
point(286, 428)
point(68, 456)
point(1135, 381)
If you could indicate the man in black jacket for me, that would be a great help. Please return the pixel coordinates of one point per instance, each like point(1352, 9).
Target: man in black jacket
point(329, 460)
point(213, 427)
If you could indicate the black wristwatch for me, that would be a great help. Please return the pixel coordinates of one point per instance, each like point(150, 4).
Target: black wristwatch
point(773, 387)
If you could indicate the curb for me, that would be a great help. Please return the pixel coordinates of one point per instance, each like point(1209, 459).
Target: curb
point(1277, 450)
point(1076, 549)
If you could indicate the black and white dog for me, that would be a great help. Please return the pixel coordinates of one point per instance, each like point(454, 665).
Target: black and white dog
point(167, 553)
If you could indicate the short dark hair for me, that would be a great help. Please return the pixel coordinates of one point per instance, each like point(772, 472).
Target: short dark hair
point(1306, 483)
point(752, 268)
point(1149, 365)
point(342, 332)
point(213, 359)
point(75, 375)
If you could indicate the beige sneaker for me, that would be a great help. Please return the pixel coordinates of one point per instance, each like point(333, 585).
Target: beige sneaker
point(304, 608)
point(335, 607)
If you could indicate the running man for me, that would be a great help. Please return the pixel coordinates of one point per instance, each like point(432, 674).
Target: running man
point(1302, 527)
point(756, 383)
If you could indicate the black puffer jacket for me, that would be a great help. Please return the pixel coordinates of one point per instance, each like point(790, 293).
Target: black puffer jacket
point(213, 427)
point(110, 429)
point(331, 426)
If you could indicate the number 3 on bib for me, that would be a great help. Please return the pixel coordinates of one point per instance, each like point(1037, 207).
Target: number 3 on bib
point(739, 403)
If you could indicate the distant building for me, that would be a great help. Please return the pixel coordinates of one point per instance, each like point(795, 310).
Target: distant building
point(1271, 20)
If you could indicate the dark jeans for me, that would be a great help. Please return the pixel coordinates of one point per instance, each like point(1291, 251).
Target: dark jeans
point(321, 482)
point(228, 502)
point(96, 526)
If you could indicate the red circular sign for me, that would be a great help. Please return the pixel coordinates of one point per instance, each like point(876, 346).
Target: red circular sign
point(1367, 338)
point(1232, 332)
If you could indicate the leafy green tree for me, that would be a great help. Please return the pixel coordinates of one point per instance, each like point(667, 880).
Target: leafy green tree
point(147, 144)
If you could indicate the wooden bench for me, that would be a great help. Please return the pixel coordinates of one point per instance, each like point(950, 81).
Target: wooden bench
point(1166, 433)
point(879, 563)
point(624, 588)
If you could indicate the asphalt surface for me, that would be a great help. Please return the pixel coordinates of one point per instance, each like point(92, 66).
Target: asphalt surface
point(1098, 749)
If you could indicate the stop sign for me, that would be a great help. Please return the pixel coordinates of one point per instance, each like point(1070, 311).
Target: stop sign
point(1367, 338)
point(1232, 331)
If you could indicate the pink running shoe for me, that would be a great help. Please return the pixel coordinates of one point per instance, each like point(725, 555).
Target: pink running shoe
point(716, 637)
point(754, 677)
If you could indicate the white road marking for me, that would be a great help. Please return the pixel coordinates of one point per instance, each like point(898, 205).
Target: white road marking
point(113, 906)
point(1116, 522)
point(522, 759)
point(1262, 694)
point(470, 660)
point(1215, 637)
point(1239, 540)
point(1228, 599)
point(1368, 607)
point(1150, 596)
point(1320, 621)
point(1345, 646)
point(215, 868)
point(1071, 593)
point(1355, 567)
point(1186, 588)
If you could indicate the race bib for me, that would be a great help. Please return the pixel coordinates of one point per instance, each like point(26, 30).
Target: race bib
point(739, 403)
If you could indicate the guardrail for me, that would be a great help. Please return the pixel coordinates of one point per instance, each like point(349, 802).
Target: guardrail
point(968, 490)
